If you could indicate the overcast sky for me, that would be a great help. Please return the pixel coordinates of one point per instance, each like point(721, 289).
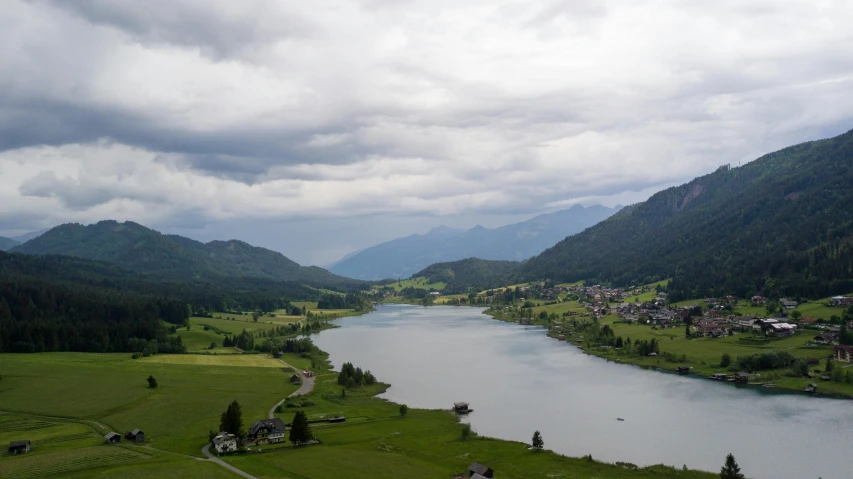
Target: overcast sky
point(317, 128)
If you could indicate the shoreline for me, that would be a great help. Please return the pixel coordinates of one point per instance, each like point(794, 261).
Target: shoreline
point(656, 367)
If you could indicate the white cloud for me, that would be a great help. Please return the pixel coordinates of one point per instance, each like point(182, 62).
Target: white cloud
point(207, 111)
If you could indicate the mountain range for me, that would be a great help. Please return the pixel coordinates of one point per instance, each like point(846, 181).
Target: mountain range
point(7, 243)
point(780, 225)
point(146, 251)
point(402, 257)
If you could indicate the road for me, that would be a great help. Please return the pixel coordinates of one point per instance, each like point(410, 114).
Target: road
point(307, 387)
point(206, 451)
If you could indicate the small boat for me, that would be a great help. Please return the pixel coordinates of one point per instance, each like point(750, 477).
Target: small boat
point(619, 419)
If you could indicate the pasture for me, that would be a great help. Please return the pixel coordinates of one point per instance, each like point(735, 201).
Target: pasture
point(70, 448)
point(111, 389)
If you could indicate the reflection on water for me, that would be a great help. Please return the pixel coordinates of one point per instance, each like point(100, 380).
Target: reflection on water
point(518, 380)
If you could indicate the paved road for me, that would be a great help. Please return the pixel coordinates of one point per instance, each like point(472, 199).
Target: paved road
point(206, 451)
point(307, 387)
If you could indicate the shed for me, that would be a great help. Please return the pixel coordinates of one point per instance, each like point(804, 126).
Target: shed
point(136, 436)
point(113, 438)
point(741, 377)
point(295, 379)
point(481, 470)
point(19, 447)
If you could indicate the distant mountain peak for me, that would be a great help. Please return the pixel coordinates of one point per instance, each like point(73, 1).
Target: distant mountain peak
point(402, 257)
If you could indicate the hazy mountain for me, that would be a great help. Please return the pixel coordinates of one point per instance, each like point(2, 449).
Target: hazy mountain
point(147, 251)
point(403, 257)
point(28, 236)
point(780, 225)
point(7, 243)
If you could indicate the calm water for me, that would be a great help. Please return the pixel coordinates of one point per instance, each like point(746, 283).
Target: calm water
point(518, 380)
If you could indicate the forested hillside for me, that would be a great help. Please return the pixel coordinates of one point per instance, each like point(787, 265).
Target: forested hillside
point(7, 243)
point(62, 303)
point(402, 257)
point(146, 251)
point(471, 273)
point(780, 225)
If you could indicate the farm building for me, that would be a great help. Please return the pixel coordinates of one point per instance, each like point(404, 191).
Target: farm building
point(480, 470)
point(295, 379)
point(113, 438)
point(225, 442)
point(265, 431)
point(136, 436)
point(19, 447)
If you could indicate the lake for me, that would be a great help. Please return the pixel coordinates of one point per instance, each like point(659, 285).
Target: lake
point(518, 380)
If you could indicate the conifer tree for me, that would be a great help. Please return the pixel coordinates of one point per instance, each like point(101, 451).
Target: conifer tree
point(731, 470)
point(300, 431)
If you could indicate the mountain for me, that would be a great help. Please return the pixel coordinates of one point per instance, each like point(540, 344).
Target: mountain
point(28, 236)
point(7, 243)
point(781, 225)
point(402, 257)
point(468, 273)
point(151, 253)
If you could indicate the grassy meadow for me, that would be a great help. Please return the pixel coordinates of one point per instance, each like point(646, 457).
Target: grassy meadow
point(111, 389)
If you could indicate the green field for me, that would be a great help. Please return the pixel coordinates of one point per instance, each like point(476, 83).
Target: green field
point(70, 448)
point(416, 283)
point(111, 389)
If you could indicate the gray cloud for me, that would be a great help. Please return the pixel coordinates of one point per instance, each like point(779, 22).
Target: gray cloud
point(194, 112)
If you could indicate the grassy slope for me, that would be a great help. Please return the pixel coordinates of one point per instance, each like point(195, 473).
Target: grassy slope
point(111, 388)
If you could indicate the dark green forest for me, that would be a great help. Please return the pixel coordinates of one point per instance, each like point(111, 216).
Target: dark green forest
point(779, 226)
point(62, 303)
point(470, 273)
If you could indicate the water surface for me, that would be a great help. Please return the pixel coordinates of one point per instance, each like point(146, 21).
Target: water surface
point(518, 380)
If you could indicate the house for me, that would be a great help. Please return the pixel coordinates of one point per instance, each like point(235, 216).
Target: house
point(824, 338)
point(265, 431)
point(787, 303)
point(482, 470)
point(20, 447)
point(712, 328)
point(759, 300)
point(113, 438)
point(836, 300)
point(295, 379)
point(225, 442)
point(843, 353)
point(136, 436)
point(781, 329)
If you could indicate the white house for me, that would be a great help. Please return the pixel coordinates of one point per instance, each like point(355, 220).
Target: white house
point(225, 442)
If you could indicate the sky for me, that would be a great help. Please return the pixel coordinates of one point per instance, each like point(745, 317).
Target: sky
point(318, 128)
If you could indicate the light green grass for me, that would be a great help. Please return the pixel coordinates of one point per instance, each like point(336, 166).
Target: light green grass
point(235, 360)
point(111, 388)
point(416, 283)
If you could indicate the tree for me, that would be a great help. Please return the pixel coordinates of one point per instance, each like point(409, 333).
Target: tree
point(152, 383)
point(300, 431)
point(731, 470)
point(725, 361)
point(796, 315)
point(404, 410)
point(538, 443)
point(466, 431)
point(255, 316)
point(771, 307)
point(231, 420)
